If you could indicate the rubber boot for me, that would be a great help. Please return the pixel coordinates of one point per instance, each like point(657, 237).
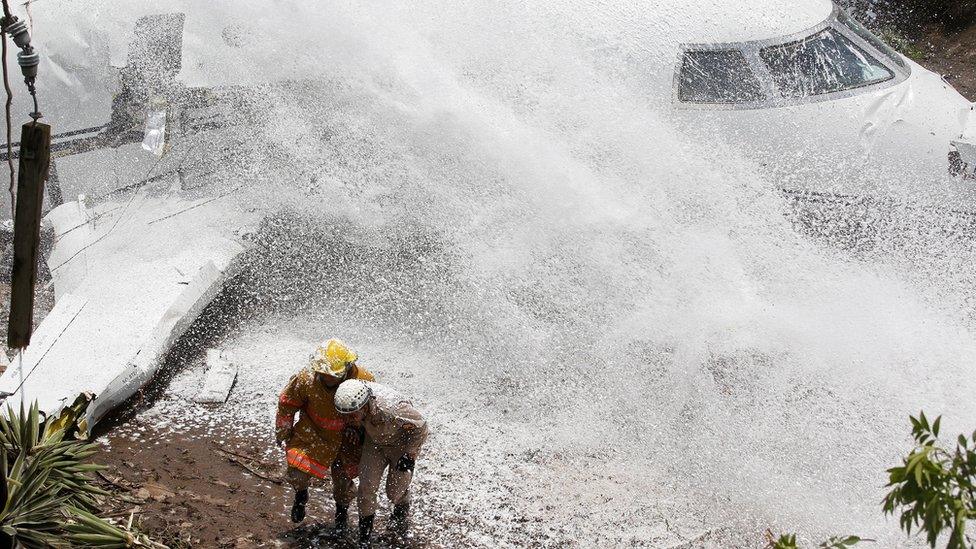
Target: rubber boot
point(365, 530)
point(298, 508)
point(341, 521)
point(398, 519)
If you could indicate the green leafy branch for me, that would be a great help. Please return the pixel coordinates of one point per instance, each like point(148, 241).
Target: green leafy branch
point(788, 541)
point(933, 489)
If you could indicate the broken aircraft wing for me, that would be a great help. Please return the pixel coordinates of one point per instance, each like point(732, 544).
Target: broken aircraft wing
point(130, 279)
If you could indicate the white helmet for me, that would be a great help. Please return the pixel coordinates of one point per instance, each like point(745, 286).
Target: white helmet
point(352, 395)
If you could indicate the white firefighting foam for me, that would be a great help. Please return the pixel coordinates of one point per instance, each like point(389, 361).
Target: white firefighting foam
point(616, 333)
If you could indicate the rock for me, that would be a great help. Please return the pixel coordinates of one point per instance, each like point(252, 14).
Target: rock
point(157, 491)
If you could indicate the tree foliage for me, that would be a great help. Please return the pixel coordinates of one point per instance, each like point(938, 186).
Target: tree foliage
point(953, 14)
point(909, 18)
point(933, 489)
point(788, 541)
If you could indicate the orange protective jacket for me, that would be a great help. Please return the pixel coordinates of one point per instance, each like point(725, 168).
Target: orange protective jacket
point(314, 441)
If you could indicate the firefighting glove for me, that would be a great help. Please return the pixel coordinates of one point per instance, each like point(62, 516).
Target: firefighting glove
point(283, 434)
point(353, 436)
point(405, 463)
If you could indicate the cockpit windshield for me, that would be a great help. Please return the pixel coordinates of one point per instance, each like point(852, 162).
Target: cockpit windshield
point(837, 56)
point(826, 62)
point(721, 76)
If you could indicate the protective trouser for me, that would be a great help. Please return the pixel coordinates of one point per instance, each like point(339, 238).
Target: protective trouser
point(343, 490)
point(374, 461)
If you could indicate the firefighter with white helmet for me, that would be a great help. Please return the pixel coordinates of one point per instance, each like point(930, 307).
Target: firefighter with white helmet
point(312, 445)
point(395, 432)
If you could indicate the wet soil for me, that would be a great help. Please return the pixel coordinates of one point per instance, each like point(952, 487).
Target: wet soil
point(195, 489)
point(953, 56)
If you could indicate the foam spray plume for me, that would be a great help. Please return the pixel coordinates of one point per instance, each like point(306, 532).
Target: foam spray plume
point(615, 324)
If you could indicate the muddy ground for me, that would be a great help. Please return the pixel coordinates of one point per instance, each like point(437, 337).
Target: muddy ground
point(195, 489)
point(953, 56)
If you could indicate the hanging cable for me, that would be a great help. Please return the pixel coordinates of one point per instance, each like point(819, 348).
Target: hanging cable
point(6, 10)
point(10, 100)
point(28, 59)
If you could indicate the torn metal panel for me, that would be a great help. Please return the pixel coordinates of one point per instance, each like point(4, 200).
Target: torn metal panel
point(221, 374)
point(155, 136)
point(183, 311)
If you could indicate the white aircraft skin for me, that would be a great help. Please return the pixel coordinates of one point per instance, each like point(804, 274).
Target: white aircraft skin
point(888, 140)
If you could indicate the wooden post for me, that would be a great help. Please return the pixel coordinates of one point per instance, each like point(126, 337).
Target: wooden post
point(35, 159)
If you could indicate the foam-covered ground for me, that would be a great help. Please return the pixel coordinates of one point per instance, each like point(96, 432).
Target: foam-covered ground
point(483, 481)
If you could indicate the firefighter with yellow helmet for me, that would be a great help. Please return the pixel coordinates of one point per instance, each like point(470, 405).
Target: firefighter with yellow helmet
point(312, 445)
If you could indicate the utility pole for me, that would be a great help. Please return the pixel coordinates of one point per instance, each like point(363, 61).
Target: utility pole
point(35, 160)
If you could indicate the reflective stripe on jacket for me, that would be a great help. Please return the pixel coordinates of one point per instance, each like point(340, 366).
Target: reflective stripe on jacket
point(315, 439)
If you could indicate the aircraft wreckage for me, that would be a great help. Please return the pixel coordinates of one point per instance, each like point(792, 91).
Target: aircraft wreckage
point(145, 246)
point(143, 240)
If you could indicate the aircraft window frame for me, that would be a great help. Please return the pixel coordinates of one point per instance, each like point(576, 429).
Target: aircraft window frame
point(900, 68)
point(862, 32)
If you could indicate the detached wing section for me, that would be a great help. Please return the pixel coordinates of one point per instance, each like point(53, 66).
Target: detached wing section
point(131, 278)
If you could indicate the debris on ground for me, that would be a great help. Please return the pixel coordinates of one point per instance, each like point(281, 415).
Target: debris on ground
point(221, 374)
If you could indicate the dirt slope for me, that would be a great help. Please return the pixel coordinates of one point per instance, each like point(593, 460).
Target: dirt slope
point(953, 56)
point(195, 489)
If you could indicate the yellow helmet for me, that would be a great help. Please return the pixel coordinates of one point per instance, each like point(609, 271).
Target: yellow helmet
point(332, 358)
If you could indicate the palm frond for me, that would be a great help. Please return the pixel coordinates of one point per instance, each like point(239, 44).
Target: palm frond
point(47, 496)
